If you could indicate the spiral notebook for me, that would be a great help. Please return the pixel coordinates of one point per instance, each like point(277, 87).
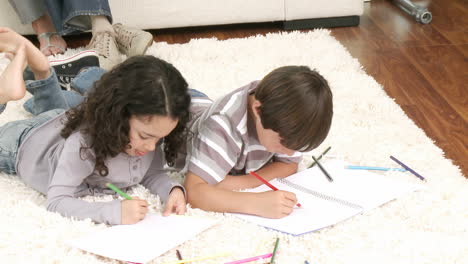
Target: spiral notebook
point(327, 203)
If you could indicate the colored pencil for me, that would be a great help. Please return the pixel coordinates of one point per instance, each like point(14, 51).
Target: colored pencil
point(179, 256)
point(250, 259)
point(274, 251)
point(323, 170)
point(306, 262)
point(118, 191)
point(319, 157)
point(199, 258)
point(267, 183)
point(263, 180)
point(408, 168)
point(354, 167)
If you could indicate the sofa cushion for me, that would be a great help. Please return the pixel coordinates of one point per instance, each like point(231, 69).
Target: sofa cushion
point(306, 9)
point(153, 14)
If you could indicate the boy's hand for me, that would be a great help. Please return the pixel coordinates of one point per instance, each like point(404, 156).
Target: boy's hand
point(133, 211)
point(175, 203)
point(275, 204)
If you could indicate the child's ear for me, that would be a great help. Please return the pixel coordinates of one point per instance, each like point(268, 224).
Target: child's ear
point(256, 108)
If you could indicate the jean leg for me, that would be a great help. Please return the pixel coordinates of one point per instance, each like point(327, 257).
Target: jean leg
point(54, 8)
point(2, 107)
point(28, 10)
point(195, 93)
point(28, 74)
point(73, 99)
point(47, 95)
point(13, 133)
point(71, 16)
point(9, 137)
point(84, 81)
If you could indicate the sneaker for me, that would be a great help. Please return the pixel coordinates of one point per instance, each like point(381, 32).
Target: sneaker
point(67, 69)
point(106, 47)
point(132, 41)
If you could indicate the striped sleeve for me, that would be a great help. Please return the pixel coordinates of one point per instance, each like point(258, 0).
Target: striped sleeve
point(296, 157)
point(215, 149)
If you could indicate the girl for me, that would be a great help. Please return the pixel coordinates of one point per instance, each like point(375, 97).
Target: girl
point(128, 127)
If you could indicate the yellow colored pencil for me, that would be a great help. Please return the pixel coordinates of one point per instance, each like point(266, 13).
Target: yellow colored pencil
point(199, 258)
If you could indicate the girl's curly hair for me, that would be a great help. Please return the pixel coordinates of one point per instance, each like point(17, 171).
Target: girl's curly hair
point(140, 86)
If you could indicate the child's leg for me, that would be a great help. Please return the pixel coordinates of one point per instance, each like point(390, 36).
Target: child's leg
point(13, 133)
point(11, 41)
point(195, 93)
point(84, 81)
point(2, 108)
point(47, 95)
point(67, 69)
point(11, 81)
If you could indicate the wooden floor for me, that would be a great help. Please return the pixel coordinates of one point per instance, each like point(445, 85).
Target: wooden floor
point(424, 67)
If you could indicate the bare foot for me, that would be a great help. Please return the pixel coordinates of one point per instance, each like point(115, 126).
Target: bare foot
point(12, 85)
point(49, 44)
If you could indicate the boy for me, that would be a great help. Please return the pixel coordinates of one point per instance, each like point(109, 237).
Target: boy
point(259, 127)
point(22, 52)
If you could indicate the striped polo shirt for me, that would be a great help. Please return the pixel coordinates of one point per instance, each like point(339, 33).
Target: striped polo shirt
point(222, 143)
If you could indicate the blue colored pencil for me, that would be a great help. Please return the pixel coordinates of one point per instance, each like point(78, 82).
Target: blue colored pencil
point(408, 168)
point(354, 167)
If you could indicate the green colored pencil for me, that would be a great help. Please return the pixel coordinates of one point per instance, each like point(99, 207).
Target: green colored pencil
point(274, 251)
point(319, 157)
point(117, 190)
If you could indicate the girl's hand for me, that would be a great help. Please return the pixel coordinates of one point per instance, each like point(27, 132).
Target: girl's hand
point(275, 204)
point(133, 211)
point(175, 203)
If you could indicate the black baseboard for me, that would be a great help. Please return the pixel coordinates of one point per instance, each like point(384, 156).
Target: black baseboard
point(325, 22)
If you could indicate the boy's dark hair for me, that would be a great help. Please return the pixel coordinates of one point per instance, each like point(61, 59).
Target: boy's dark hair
point(296, 102)
point(140, 86)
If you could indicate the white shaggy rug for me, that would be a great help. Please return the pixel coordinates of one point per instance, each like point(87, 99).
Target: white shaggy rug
point(429, 226)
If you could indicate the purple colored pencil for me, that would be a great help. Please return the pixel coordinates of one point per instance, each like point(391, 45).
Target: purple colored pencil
point(408, 168)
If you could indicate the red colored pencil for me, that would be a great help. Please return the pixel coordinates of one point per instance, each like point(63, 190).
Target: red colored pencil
point(268, 184)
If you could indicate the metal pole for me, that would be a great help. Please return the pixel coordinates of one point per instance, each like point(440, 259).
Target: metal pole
point(421, 14)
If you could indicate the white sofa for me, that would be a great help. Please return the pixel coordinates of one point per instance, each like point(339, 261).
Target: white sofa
point(157, 14)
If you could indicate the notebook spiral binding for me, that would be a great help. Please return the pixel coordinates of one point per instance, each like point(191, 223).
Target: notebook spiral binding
point(319, 195)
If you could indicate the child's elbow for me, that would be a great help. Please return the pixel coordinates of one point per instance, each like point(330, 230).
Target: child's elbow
point(193, 188)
